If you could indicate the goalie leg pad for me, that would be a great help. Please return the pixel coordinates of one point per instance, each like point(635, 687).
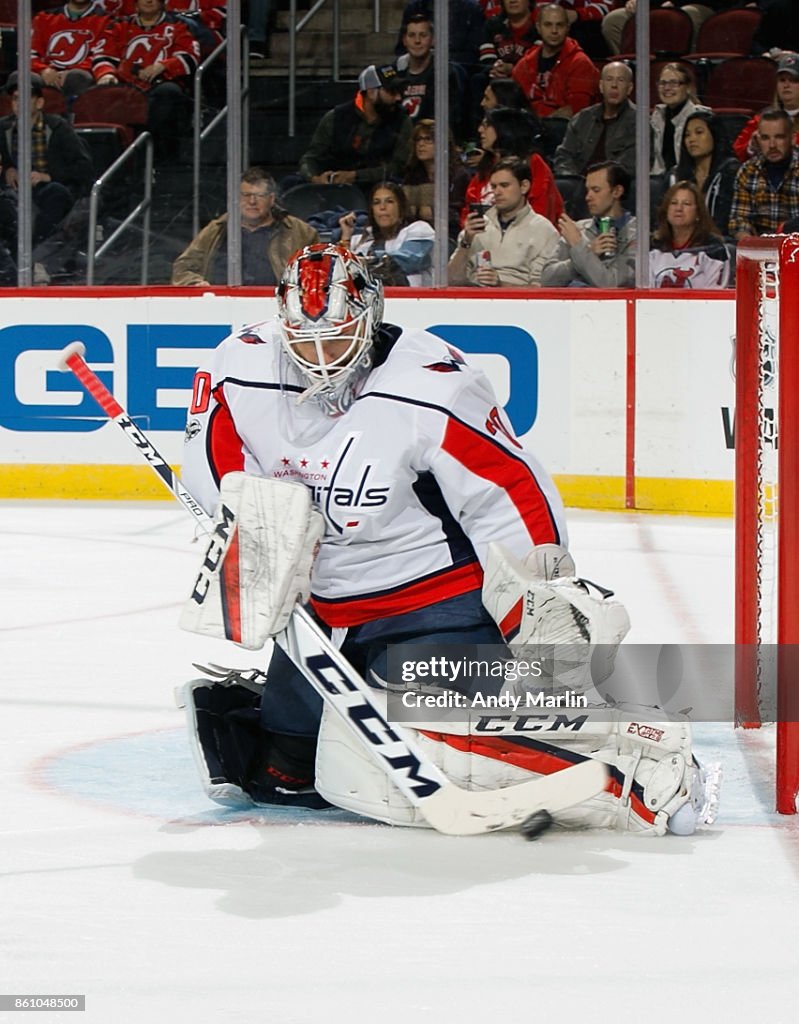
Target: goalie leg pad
point(238, 761)
point(223, 733)
point(349, 778)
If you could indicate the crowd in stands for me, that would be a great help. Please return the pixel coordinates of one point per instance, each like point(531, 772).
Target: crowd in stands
point(541, 142)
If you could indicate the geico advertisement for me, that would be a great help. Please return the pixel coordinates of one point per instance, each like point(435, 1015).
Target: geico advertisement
point(557, 367)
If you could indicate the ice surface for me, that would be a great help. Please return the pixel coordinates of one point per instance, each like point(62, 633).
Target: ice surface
point(121, 881)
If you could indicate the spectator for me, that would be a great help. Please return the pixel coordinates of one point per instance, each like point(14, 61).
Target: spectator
point(503, 92)
point(466, 24)
point(157, 53)
point(687, 250)
point(259, 13)
point(767, 186)
point(603, 131)
point(590, 255)
point(419, 181)
point(518, 242)
point(206, 18)
point(585, 22)
point(507, 38)
point(61, 166)
point(417, 71)
point(786, 97)
point(706, 160)
point(398, 248)
point(65, 42)
point(505, 132)
point(269, 236)
point(365, 140)
point(556, 75)
point(8, 234)
point(677, 91)
point(491, 8)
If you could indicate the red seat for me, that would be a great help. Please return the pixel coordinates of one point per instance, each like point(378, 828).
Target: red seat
point(742, 83)
point(727, 34)
point(670, 33)
point(104, 105)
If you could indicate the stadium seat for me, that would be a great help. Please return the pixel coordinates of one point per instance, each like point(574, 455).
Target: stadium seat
point(120, 105)
point(741, 83)
point(727, 34)
point(670, 33)
point(304, 201)
point(105, 143)
point(723, 36)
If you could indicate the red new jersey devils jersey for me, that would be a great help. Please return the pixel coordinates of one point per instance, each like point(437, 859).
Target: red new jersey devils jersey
point(68, 43)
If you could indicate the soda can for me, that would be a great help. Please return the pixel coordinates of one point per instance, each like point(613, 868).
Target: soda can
point(483, 259)
point(605, 225)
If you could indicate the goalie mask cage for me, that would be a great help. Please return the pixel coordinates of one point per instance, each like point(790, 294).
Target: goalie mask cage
point(767, 497)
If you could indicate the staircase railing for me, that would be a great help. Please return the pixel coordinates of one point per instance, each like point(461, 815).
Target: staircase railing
point(93, 254)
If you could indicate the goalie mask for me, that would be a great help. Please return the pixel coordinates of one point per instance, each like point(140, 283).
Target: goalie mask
point(329, 307)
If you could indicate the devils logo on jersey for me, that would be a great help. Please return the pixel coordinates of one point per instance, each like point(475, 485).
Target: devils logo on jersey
point(150, 47)
point(68, 48)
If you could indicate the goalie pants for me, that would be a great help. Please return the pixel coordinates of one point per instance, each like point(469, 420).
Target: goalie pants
point(291, 706)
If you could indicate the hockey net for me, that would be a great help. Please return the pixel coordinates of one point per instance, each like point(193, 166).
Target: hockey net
point(767, 497)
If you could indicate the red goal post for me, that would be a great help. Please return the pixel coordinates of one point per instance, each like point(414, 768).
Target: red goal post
point(767, 497)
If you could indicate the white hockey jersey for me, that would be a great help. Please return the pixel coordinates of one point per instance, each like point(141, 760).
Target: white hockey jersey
point(413, 481)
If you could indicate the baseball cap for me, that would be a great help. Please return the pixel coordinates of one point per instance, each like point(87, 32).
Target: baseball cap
point(789, 64)
point(37, 82)
point(385, 76)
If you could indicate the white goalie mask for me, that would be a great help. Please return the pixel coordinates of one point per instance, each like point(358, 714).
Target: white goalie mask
point(327, 294)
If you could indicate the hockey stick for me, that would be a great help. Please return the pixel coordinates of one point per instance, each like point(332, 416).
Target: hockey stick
point(446, 807)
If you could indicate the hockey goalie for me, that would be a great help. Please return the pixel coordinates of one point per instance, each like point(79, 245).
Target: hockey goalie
point(366, 472)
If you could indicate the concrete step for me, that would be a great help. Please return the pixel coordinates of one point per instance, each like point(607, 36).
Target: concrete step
point(315, 50)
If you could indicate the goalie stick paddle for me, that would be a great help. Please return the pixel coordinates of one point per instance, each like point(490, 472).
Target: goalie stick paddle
point(445, 806)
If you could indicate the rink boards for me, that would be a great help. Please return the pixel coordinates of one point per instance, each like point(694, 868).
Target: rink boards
point(628, 399)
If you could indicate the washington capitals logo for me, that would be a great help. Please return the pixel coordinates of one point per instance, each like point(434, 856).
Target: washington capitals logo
point(451, 365)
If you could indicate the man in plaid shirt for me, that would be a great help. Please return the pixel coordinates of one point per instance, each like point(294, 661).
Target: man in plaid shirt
point(767, 186)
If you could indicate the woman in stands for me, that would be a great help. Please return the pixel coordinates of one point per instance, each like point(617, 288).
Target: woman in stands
point(399, 249)
point(419, 179)
point(506, 132)
point(677, 91)
point(706, 160)
point(503, 92)
point(786, 97)
point(687, 250)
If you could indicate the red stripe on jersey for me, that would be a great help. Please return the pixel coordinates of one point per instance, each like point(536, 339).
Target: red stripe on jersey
point(490, 461)
point(539, 760)
point(509, 626)
point(225, 448)
point(406, 598)
point(230, 589)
